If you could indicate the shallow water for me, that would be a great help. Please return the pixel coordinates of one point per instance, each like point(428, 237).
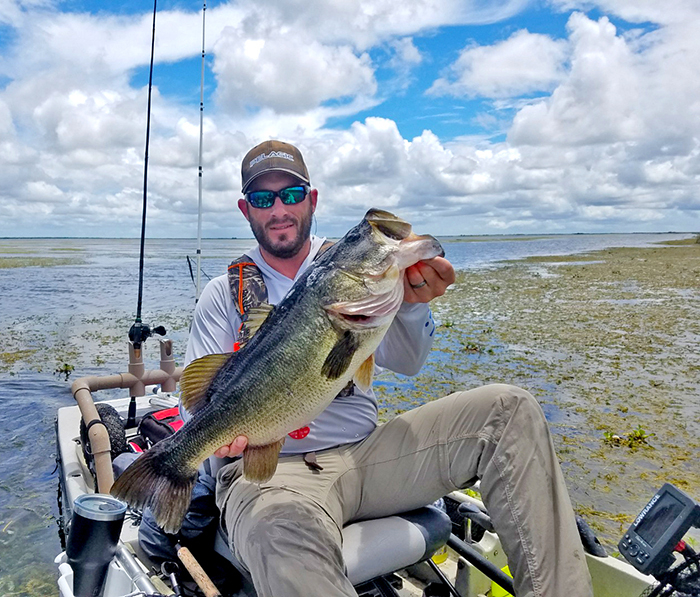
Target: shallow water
point(76, 310)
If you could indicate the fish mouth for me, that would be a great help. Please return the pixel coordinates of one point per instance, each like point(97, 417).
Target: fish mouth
point(370, 312)
point(397, 229)
point(384, 282)
point(362, 320)
point(388, 224)
point(358, 321)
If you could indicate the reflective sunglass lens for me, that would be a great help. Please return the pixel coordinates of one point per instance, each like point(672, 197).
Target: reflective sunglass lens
point(292, 195)
point(265, 199)
point(261, 199)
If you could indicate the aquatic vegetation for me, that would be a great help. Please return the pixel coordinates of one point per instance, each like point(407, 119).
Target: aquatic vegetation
point(14, 250)
point(20, 575)
point(65, 370)
point(473, 347)
point(38, 584)
point(14, 356)
point(606, 342)
point(684, 242)
point(633, 439)
point(11, 262)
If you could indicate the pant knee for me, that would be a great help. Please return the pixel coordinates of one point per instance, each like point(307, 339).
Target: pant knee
point(515, 399)
point(289, 530)
point(521, 396)
point(278, 522)
point(497, 409)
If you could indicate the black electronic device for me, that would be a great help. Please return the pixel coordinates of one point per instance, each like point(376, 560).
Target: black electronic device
point(649, 543)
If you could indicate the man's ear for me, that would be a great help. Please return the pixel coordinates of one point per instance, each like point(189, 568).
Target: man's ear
point(243, 206)
point(313, 195)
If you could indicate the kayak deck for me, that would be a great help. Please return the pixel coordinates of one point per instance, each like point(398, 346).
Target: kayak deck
point(611, 577)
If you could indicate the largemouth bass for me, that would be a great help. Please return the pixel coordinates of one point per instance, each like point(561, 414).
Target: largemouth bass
point(321, 336)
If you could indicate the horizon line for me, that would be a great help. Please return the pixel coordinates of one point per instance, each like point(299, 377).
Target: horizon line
point(533, 234)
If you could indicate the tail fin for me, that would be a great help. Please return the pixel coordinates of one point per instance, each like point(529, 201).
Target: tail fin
point(167, 490)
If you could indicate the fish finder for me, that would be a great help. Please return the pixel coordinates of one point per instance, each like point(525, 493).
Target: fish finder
point(649, 543)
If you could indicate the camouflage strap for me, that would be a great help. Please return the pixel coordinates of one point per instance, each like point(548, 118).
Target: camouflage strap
point(248, 287)
point(248, 291)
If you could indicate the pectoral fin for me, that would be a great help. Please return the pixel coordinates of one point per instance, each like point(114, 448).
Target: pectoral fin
point(365, 374)
point(260, 462)
point(196, 379)
point(340, 356)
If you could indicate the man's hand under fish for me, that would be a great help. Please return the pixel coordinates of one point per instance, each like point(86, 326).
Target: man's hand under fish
point(235, 449)
point(423, 282)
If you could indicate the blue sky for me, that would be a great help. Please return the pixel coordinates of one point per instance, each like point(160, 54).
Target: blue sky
point(462, 117)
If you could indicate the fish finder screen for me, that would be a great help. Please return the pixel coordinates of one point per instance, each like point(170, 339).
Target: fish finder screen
point(659, 518)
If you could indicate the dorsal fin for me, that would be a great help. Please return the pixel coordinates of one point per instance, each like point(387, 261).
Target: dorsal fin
point(196, 379)
point(255, 317)
point(365, 374)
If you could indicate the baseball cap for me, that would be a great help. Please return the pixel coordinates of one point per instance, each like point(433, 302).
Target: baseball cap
point(273, 156)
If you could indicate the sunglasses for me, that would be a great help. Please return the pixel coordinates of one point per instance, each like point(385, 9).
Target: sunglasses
point(288, 196)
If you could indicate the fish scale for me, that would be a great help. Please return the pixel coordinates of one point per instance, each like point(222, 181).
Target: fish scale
point(319, 337)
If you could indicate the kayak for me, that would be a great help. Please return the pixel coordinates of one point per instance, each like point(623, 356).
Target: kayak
point(443, 549)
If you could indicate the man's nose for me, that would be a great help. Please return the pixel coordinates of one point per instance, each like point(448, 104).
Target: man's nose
point(278, 206)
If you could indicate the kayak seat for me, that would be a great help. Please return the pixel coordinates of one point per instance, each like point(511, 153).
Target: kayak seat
point(373, 548)
point(377, 547)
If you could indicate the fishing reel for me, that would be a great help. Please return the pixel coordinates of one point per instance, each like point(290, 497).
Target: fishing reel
point(140, 332)
point(656, 535)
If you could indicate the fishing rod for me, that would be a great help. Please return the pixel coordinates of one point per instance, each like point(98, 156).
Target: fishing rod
point(140, 331)
point(201, 139)
point(192, 276)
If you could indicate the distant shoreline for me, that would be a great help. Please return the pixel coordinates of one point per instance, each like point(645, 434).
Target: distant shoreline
point(449, 237)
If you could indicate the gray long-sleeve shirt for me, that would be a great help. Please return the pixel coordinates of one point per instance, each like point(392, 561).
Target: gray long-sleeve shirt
point(347, 419)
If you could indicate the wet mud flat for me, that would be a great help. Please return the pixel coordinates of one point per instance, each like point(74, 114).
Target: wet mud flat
point(609, 344)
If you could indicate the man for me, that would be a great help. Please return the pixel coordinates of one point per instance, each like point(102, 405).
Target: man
point(287, 531)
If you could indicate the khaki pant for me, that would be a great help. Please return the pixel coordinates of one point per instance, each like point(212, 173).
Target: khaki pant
point(287, 531)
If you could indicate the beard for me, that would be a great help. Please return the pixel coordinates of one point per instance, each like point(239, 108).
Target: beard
point(289, 244)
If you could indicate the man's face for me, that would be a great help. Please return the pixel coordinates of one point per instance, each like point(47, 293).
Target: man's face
point(281, 230)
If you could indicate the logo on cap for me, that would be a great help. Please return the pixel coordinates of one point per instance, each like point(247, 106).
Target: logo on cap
point(272, 154)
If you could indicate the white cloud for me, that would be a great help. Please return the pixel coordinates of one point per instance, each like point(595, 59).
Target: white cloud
point(404, 58)
point(367, 23)
point(106, 47)
point(628, 110)
point(12, 11)
point(614, 144)
point(7, 127)
point(596, 103)
point(638, 11)
point(275, 70)
point(524, 63)
point(405, 53)
point(43, 192)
